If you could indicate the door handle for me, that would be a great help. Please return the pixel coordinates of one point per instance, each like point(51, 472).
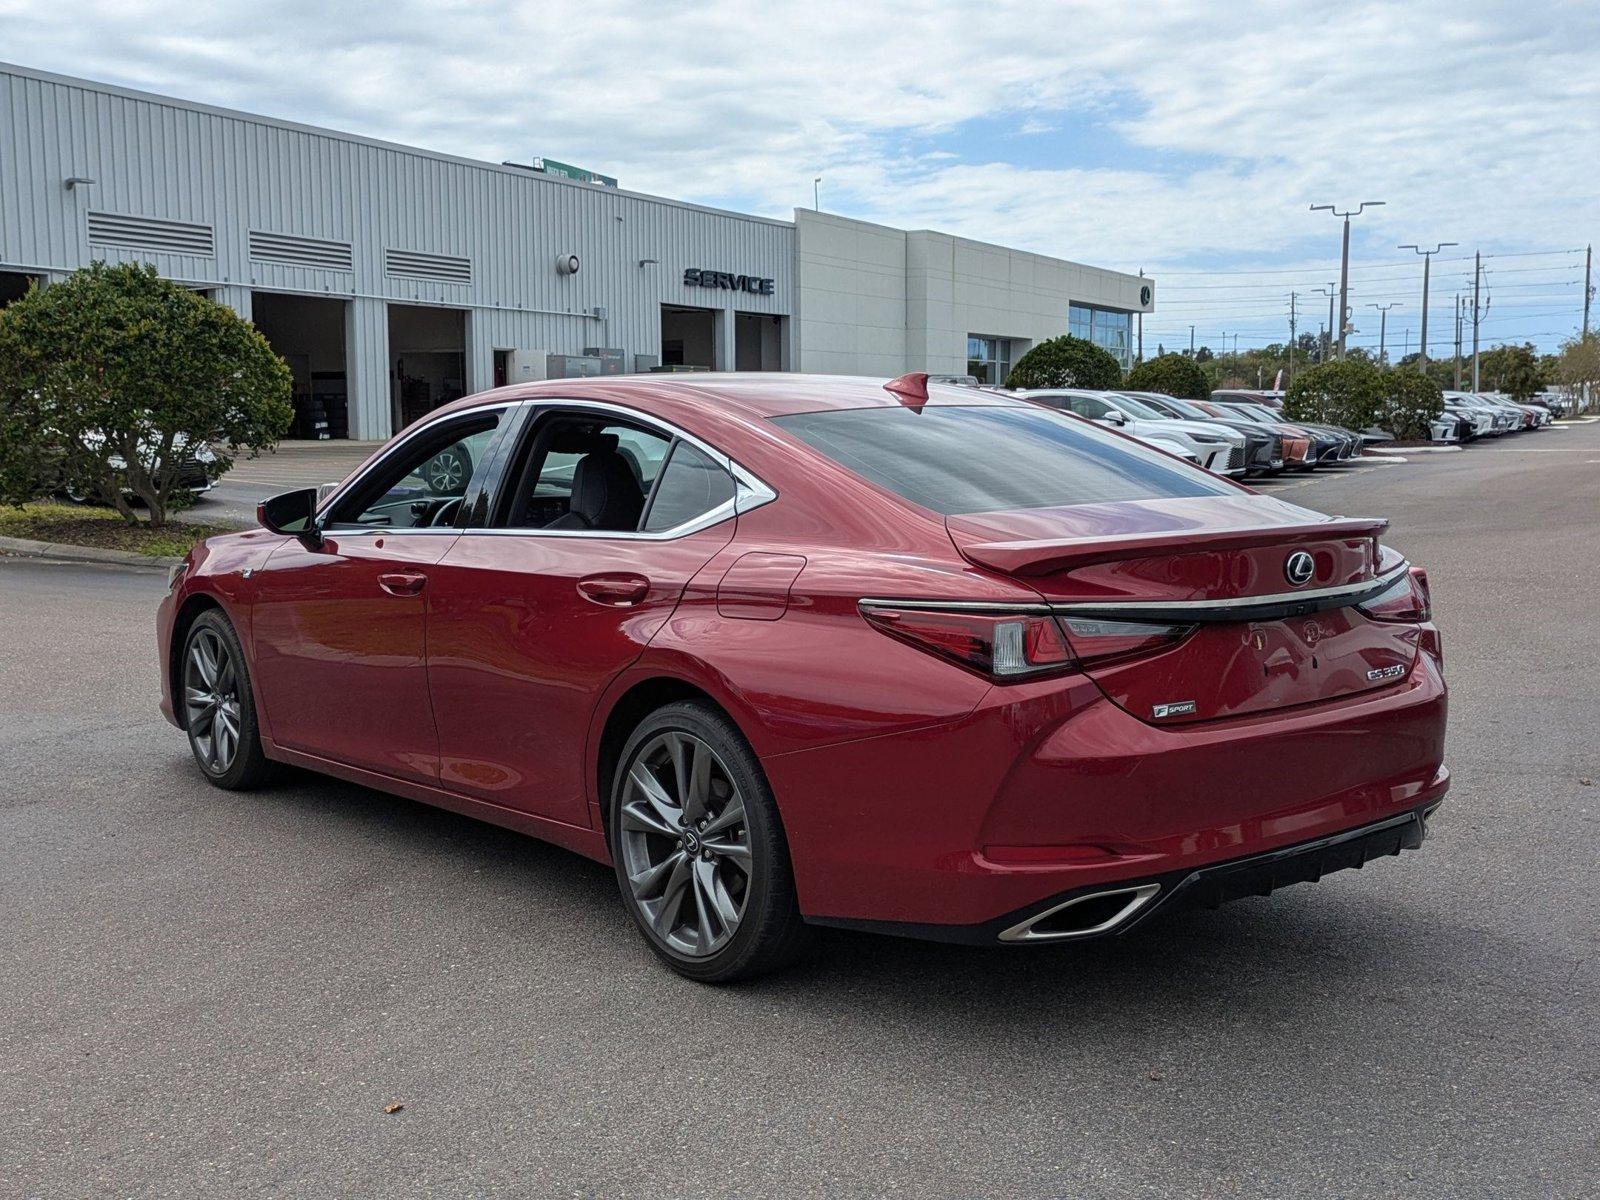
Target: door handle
point(402, 583)
point(615, 590)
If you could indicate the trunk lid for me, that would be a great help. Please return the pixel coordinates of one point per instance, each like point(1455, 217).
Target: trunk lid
point(1196, 563)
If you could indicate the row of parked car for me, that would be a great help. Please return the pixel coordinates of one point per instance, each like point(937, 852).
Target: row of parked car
point(1470, 415)
point(1235, 433)
point(1245, 434)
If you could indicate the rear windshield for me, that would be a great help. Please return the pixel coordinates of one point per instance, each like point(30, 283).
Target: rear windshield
point(988, 459)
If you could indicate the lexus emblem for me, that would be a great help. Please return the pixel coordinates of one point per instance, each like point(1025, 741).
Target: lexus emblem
point(1299, 569)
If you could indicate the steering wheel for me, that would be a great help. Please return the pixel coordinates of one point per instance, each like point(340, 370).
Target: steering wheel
point(445, 514)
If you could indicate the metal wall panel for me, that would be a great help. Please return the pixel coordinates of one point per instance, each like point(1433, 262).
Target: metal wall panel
point(171, 160)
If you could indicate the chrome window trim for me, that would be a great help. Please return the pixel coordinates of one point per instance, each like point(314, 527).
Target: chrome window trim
point(750, 492)
point(1164, 610)
point(320, 520)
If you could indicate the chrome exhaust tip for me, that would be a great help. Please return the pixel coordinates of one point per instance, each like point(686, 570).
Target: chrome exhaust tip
point(1083, 916)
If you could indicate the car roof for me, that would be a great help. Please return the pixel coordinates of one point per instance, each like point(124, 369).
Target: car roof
point(750, 394)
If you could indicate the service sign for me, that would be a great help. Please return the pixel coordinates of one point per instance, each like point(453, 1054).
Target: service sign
point(755, 285)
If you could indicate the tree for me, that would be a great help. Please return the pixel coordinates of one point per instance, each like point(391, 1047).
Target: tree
point(1066, 361)
point(1513, 370)
point(110, 378)
point(1172, 375)
point(1578, 367)
point(1411, 401)
point(1347, 393)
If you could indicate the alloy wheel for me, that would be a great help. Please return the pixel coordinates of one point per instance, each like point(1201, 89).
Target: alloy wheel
point(685, 845)
point(446, 472)
point(211, 700)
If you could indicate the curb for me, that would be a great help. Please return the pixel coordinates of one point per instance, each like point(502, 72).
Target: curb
point(1415, 450)
point(89, 554)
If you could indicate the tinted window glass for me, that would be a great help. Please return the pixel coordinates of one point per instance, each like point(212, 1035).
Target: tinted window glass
point(691, 485)
point(583, 473)
point(965, 460)
point(421, 483)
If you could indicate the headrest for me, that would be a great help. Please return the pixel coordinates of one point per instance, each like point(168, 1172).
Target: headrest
point(578, 440)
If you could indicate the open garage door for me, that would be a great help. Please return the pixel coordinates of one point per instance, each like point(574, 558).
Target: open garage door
point(427, 359)
point(308, 333)
point(688, 338)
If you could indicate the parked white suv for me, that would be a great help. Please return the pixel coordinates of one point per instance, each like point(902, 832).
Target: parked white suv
point(1217, 448)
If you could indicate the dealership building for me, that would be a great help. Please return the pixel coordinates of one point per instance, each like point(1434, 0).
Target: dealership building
point(393, 279)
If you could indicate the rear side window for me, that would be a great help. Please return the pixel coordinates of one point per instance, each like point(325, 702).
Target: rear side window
point(691, 485)
point(988, 459)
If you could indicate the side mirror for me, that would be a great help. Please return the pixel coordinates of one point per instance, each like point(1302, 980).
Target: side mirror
point(292, 513)
point(1115, 417)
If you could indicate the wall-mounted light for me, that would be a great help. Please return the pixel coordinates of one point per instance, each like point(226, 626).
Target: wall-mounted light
point(566, 264)
point(74, 180)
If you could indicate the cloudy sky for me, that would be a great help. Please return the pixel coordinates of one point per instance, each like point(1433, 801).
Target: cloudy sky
point(1187, 139)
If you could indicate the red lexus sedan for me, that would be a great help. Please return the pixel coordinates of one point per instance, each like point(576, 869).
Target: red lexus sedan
point(794, 651)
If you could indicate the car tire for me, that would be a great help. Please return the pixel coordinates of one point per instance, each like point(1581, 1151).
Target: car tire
point(213, 688)
point(448, 472)
point(708, 882)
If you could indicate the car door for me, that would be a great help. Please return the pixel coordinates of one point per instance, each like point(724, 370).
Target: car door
point(534, 612)
point(339, 628)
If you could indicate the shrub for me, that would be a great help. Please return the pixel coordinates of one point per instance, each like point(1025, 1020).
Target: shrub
point(1066, 361)
point(1171, 375)
point(1411, 401)
point(110, 378)
point(1348, 393)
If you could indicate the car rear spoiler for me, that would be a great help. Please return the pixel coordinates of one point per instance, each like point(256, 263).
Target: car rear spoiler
point(1049, 555)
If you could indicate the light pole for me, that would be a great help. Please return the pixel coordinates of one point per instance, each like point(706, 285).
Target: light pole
point(1344, 259)
point(1383, 328)
point(1427, 261)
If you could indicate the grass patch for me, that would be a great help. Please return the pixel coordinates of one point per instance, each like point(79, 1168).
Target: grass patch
point(83, 525)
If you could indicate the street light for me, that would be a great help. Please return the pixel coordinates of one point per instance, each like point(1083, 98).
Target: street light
point(1344, 259)
point(1427, 261)
point(1383, 328)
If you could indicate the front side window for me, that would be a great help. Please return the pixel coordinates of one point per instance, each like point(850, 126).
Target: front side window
point(422, 482)
point(971, 459)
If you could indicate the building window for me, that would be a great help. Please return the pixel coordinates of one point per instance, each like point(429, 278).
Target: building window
point(988, 359)
point(1110, 330)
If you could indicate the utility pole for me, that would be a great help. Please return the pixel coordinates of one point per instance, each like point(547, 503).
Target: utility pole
point(1427, 261)
point(1326, 337)
point(1383, 329)
point(1344, 262)
point(1141, 324)
point(1191, 341)
point(1406, 353)
point(1293, 296)
point(1458, 341)
point(1480, 310)
point(1588, 285)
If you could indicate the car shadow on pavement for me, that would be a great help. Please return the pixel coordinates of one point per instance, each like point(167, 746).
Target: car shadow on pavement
point(1261, 959)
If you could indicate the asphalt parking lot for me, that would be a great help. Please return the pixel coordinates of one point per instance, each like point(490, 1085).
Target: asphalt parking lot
point(217, 994)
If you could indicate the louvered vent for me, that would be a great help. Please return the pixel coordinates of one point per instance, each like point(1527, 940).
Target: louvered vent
point(299, 251)
point(440, 268)
point(151, 233)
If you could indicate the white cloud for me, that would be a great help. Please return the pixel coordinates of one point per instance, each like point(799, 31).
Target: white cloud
point(1478, 122)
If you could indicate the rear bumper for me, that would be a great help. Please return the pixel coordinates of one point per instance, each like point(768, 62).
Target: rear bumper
point(1129, 903)
point(1048, 790)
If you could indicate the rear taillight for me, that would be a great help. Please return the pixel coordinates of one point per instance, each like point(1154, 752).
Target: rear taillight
point(1000, 645)
point(1408, 599)
point(1096, 641)
point(1008, 646)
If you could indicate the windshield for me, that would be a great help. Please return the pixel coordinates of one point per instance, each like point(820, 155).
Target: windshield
point(969, 459)
point(1136, 407)
point(1185, 409)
